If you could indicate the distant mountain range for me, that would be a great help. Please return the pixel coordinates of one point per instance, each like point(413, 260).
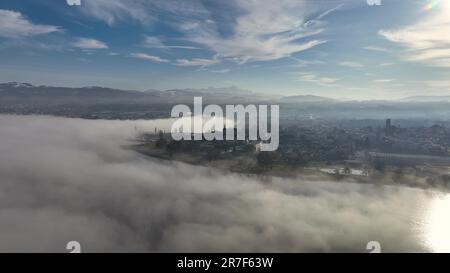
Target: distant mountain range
point(426, 99)
point(25, 91)
point(14, 91)
point(305, 99)
point(109, 103)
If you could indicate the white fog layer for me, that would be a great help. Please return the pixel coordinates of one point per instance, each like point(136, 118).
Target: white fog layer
point(67, 180)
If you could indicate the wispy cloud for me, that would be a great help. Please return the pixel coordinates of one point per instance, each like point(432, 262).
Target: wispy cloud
point(384, 80)
point(221, 71)
point(147, 57)
point(351, 64)
point(265, 30)
point(376, 48)
point(441, 84)
point(142, 11)
point(252, 30)
point(197, 62)
point(87, 43)
point(119, 10)
point(32, 46)
point(14, 25)
point(155, 42)
point(305, 63)
point(313, 78)
point(427, 41)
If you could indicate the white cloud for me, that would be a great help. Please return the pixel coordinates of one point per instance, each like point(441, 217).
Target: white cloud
point(33, 46)
point(376, 48)
point(141, 11)
point(384, 80)
point(263, 30)
point(221, 71)
point(183, 47)
point(119, 10)
point(147, 57)
point(323, 81)
point(351, 64)
point(441, 84)
point(386, 64)
point(427, 41)
point(197, 62)
point(86, 43)
point(14, 25)
point(155, 42)
point(251, 30)
point(305, 63)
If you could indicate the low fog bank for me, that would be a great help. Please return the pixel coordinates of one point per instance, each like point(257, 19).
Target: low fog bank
point(69, 179)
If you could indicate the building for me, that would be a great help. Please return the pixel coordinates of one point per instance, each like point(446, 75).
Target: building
point(388, 127)
point(408, 159)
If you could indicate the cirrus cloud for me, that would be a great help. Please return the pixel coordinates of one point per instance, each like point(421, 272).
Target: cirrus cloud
point(197, 62)
point(426, 41)
point(351, 64)
point(242, 31)
point(147, 57)
point(14, 25)
point(86, 43)
point(312, 78)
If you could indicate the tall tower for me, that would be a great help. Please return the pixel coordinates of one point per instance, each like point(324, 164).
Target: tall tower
point(388, 126)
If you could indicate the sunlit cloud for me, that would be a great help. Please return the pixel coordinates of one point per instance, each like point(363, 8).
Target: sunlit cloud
point(432, 4)
point(376, 48)
point(386, 64)
point(351, 64)
point(221, 71)
point(197, 62)
point(312, 78)
point(86, 43)
point(14, 25)
point(263, 30)
point(384, 80)
point(148, 57)
point(441, 84)
point(155, 42)
point(427, 41)
point(255, 30)
point(113, 12)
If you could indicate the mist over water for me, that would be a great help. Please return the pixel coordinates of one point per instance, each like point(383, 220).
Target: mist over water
point(69, 179)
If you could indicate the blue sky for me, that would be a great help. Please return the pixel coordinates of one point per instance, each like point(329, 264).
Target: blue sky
point(335, 48)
